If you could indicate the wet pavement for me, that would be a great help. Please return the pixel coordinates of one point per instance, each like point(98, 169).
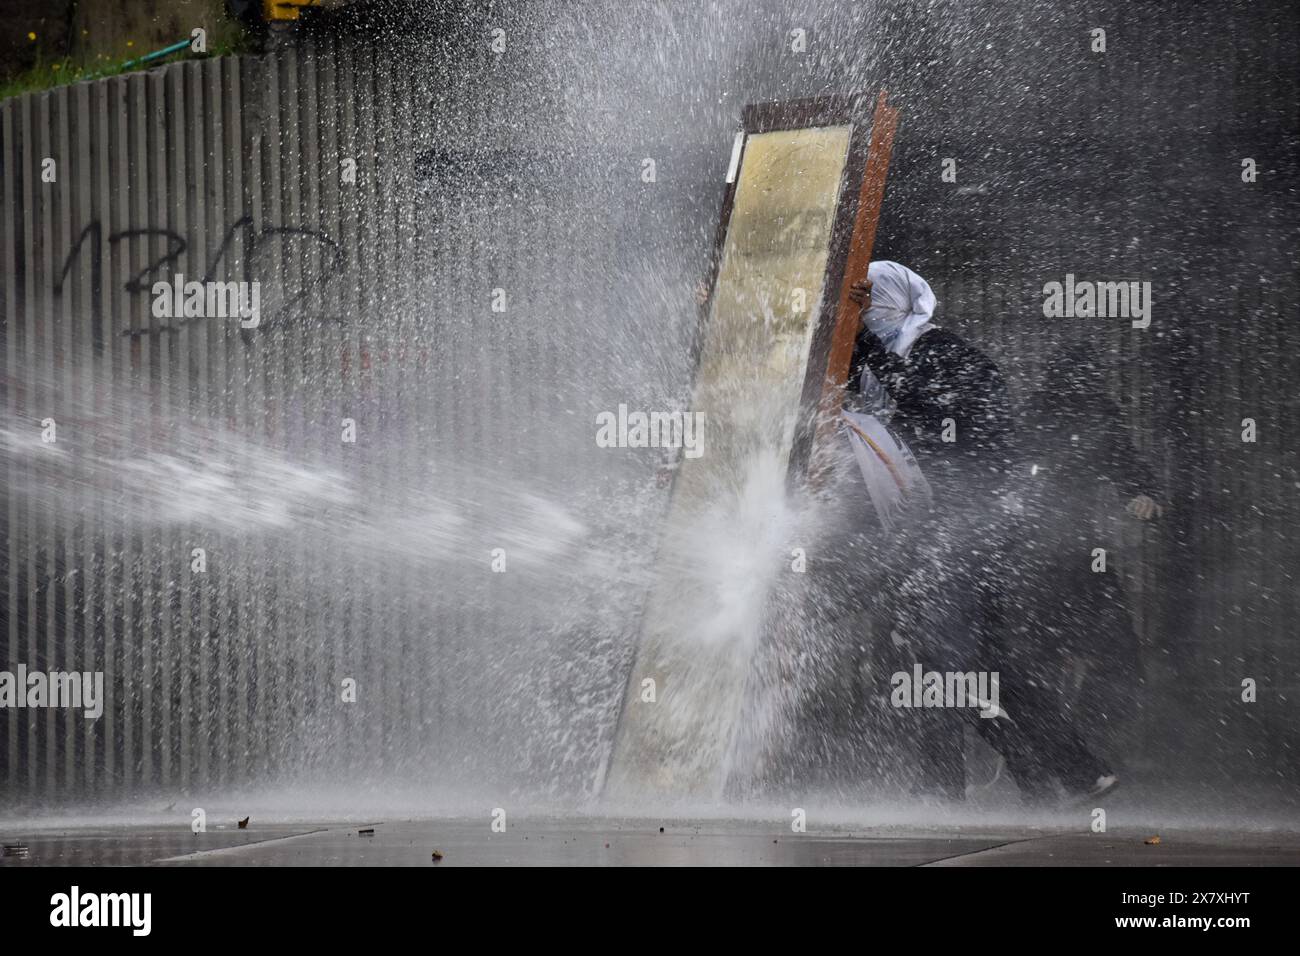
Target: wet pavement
point(604, 842)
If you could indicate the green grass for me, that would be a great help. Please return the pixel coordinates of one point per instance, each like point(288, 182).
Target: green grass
point(49, 75)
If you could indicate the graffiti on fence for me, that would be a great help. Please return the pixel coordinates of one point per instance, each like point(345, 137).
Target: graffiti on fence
point(261, 247)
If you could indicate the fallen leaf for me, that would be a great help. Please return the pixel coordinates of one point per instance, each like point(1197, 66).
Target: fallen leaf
point(1152, 841)
point(437, 855)
point(243, 824)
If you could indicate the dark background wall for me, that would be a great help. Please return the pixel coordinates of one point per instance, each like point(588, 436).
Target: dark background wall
point(1127, 164)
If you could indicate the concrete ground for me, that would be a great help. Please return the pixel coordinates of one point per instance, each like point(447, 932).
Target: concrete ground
point(609, 842)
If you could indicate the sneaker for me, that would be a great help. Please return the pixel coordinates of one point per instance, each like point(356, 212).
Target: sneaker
point(1103, 785)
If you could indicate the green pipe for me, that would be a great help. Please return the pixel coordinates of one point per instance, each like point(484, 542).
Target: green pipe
point(155, 55)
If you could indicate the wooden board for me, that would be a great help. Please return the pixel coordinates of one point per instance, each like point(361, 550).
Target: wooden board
point(772, 355)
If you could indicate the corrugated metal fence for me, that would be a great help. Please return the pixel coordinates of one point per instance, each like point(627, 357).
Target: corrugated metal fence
point(298, 171)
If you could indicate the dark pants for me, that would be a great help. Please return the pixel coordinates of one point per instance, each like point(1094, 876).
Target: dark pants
point(1037, 738)
point(993, 607)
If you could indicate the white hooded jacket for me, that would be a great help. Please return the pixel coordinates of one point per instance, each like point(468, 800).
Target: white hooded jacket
point(902, 304)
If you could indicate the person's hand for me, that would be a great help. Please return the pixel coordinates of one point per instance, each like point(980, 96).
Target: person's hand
point(1144, 508)
point(860, 293)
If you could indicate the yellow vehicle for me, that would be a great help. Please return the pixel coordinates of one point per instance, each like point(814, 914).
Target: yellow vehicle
point(276, 10)
point(279, 12)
